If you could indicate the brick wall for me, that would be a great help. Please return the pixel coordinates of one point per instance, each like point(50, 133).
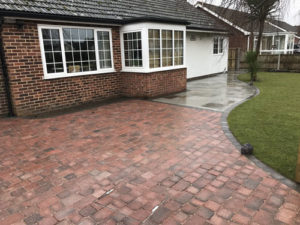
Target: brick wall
point(32, 94)
point(3, 98)
point(238, 40)
point(153, 84)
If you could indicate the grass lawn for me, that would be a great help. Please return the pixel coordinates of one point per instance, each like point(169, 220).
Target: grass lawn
point(271, 121)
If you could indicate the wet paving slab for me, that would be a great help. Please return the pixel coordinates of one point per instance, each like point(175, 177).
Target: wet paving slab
point(215, 93)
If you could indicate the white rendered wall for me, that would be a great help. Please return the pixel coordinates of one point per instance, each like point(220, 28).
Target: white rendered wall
point(200, 60)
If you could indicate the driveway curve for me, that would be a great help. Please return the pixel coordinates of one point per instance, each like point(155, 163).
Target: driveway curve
point(134, 162)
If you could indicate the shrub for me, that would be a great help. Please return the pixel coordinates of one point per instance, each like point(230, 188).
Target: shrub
point(251, 59)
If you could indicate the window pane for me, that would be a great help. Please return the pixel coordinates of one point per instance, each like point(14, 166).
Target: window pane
point(91, 45)
point(154, 48)
point(69, 56)
point(104, 49)
point(92, 56)
point(76, 56)
point(93, 65)
point(67, 34)
point(133, 49)
point(77, 42)
point(68, 45)
point(55, 34)
point(56, 46)
point(49, 57)
point(59, 67)
point(58, 57)
point(178, 48)
point(84, 56)
point(46, 34)
point(167, 48)
point(50, 68)
point(48, 45)
point(221, 45)
point(216, 45)
point(52, 50)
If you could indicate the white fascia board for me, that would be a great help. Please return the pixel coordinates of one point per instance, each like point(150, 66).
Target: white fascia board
point(275, 33)
point(199, 5)
point(206, 31)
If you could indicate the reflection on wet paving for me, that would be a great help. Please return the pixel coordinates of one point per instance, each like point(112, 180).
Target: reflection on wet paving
point(215, 93)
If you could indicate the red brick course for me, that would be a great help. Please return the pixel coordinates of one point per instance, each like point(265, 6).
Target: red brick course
point(3, 97)
point(32, 94)
point(153, 84)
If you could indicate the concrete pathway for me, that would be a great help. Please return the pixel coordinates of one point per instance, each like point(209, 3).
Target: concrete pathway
point(215, 93)
point(134, 162)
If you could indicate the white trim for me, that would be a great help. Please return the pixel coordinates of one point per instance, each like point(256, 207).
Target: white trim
point(65, 73)
point(275, 33)
point(248, 43)
point(144, 28)
point(133, 68)
point(199, 5)
point(206, 31)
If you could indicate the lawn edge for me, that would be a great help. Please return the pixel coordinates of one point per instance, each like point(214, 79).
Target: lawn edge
point(226, 129)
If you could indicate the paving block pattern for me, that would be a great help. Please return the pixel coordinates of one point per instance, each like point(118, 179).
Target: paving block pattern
point(134, 162)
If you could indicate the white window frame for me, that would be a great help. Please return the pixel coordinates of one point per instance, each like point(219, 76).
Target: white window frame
point(65, 73)
point(144, 29)
point(219, 45)
point(286, 50)
point(123, 50)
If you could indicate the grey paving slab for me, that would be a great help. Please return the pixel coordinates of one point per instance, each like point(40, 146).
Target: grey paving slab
point(215, 93)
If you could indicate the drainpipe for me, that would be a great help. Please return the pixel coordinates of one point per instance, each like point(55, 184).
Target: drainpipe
point(5, 72)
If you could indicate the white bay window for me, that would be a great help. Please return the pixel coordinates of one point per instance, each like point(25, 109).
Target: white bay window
point(160, 47)
point(73, 51)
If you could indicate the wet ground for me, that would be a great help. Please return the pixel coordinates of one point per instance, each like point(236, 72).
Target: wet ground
point(216, 93)
point(134, 162)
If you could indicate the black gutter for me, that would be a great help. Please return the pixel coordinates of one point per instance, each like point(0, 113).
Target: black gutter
point(5, 72)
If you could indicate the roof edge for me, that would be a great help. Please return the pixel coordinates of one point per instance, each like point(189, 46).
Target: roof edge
point(32, 15)
point(199, 5)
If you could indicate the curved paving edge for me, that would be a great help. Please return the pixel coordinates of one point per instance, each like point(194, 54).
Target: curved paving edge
point(238, 145)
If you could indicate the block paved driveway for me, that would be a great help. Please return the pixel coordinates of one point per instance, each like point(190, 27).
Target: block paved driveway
point(133, 162)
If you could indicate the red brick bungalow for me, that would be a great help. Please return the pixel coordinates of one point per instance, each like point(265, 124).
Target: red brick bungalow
point(278, 36)
point(61, 54)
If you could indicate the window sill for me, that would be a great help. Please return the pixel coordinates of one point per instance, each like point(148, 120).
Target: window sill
point(219, 54)
point(142, 70)
point(65, 75)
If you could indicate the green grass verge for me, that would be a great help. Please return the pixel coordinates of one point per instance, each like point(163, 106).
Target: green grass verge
point(271, 121)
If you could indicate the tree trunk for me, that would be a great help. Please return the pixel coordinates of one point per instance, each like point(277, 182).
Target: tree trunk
point(251, 48)
point(259, 39)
